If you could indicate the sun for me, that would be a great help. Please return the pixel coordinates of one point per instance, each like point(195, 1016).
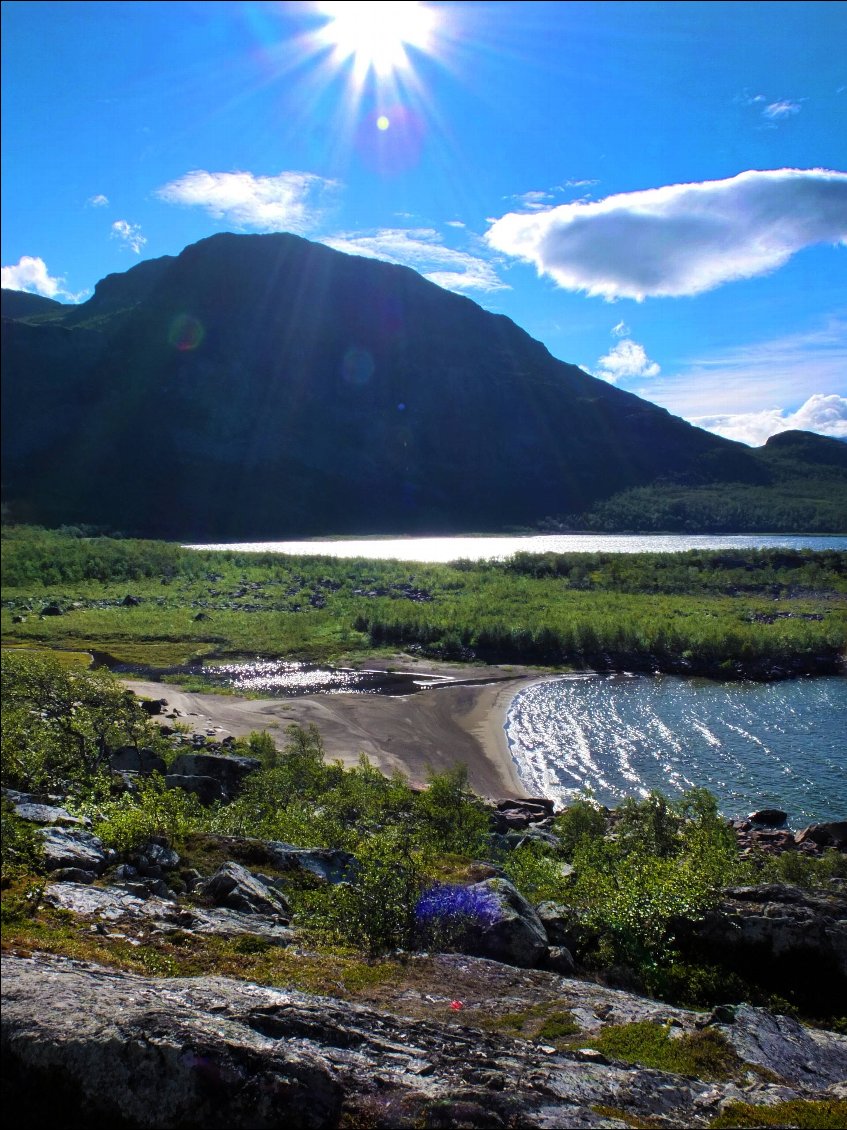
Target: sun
point(376, 33)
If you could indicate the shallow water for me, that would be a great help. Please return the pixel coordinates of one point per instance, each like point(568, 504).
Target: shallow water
point(753, 745)
point(278, 677)
point(444, 549)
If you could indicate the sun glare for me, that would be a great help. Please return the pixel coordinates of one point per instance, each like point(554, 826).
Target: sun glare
point(376, 33)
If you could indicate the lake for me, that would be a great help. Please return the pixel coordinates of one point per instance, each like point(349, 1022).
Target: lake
point(444, 549)
point(754, 745)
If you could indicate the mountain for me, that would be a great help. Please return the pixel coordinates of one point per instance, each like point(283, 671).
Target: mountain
point(267, 386)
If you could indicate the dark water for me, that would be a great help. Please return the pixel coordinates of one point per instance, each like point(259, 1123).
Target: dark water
point(753, 745)
point(278, 677)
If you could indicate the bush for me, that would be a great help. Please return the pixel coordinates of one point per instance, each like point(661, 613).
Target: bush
point(132, 819)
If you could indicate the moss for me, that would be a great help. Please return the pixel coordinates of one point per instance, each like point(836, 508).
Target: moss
point(705, 1054)
point(625, 1116)
point(547, 1021)
point(805, 1114)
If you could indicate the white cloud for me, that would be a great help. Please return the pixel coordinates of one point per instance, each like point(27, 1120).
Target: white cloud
point(781, 109)
point(826, 415)
point(424, 250)
point(455, 224)
point(130, 234)
point(30, 274)
point(621, 329)
point(626, 359)
point(286, 202)
point(754, 377)
point(98, 201)
point(681, 239)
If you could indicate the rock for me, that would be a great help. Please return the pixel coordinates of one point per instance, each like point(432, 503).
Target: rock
point(73, 847)
point(514, 935)
point(564, 926)
point(128, 759)
point(48, 814)
point(330, 865)
point(808, 1056)
point(152, 706)
point(229, 772)
point(233, 886)
point(207, 1053)
point(154, 857)
point(831, 834)
point(73, 875)
point(780, 935)
point(560, 960)
point(130, 601)
point(206, 789)
point(52, 610)
point(770, 817)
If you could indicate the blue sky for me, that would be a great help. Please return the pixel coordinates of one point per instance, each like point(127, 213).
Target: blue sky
point(656, 191)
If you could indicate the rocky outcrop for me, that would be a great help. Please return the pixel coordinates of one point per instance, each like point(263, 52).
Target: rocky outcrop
point(831, 834)
point(128, 759)
point(329, 865)
point(233, 886)
point(778, 934)
point(85, 1046)
point(74, 848)
point(511, 931)
point(229, 772)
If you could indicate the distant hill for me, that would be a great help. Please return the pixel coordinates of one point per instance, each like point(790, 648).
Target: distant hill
point(20, 304)
point(267, 386)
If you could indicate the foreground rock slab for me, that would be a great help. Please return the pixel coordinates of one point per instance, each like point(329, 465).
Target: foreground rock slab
point(86, 1046)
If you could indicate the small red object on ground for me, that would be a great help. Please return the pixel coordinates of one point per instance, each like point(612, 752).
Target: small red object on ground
point(456, 1005)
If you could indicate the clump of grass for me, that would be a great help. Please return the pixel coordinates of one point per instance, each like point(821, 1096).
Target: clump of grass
point(705, 1054)
point(804, 1114)
point(624, 1116)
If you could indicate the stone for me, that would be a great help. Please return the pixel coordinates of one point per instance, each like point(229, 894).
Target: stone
point(229, 772)
point(830, 834)
point(49, 814)
point(559, 959)
point(73, 875)
point(233, 886)
point(514, 935)
point(73, 847)
point(208, 790)
point(330, 865)
point(128, 759)
point(770, 817)
point(152, 706)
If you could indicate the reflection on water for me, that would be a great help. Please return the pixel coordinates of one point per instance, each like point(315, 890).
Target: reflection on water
point(753, 745)
point(485, 548)
point(277, 677)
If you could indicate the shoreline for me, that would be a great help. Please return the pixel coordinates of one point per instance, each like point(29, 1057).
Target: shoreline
point(432, 730)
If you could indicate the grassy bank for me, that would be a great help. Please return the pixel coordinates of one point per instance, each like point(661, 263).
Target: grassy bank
point(759, 613)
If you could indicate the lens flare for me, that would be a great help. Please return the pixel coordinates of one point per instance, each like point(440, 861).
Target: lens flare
point(186, 333)
point(376, 33)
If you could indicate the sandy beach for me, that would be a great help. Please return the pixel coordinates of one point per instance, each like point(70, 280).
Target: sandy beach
point(434, 729)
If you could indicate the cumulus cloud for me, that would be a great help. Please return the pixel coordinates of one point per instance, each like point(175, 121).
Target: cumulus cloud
point(626, 359)
point(30, 274)
point(680, 239)
point(424, 250)
point(98, 201)
point(621, 329)
point(287, 202)
point(129, 234)
point(824, 414)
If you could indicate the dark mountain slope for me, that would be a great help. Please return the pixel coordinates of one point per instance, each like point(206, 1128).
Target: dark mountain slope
point(266, 385)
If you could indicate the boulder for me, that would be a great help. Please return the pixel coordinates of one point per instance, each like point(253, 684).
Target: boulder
point(229, 772)
point(564, 926)
point(128, 759)
point(208, 790)
point(45, 814)
point(513, 933)
point(73, 847)
point(770, 817)
point(330, 865)
point(233, 886)
point(152, 705)
point(830, 834)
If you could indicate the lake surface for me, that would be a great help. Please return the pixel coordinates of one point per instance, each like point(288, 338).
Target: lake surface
point(444, 549)
point(753, 745)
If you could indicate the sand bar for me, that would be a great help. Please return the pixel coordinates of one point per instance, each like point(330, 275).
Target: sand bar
point(434, 729)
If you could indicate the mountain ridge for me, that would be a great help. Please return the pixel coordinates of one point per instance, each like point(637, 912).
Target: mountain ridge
point(267, 385)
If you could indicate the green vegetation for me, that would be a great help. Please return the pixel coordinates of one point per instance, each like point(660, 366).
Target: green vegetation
point(804, 1114)
point(754, 613)
point(705, 1054)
